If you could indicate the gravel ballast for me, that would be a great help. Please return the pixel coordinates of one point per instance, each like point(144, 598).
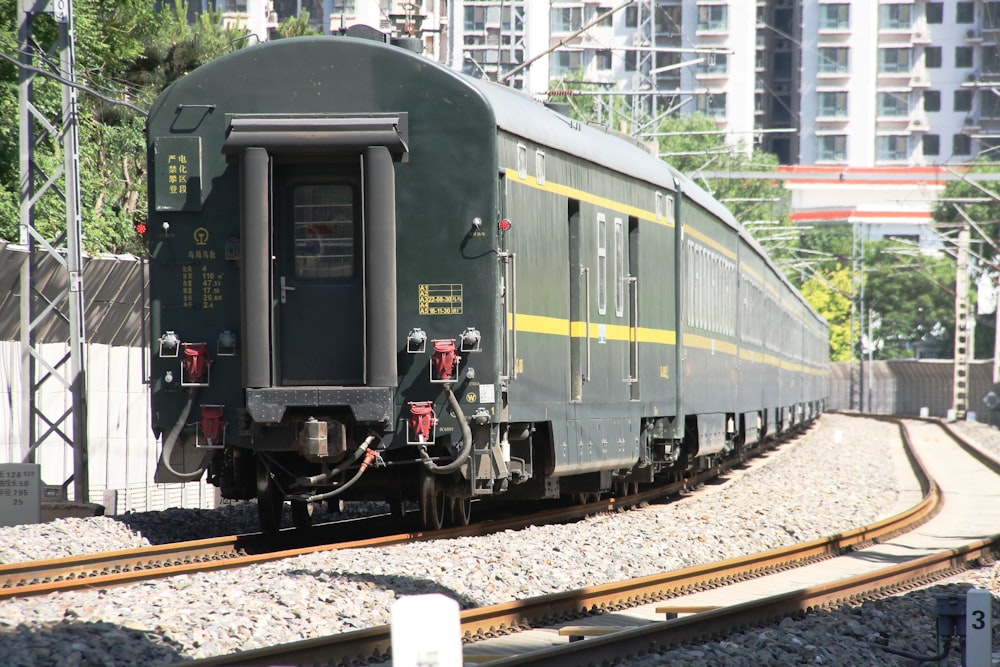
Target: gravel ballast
point(832, 479)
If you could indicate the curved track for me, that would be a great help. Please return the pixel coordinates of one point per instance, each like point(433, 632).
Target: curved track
point(131, 566)
point(494, 633)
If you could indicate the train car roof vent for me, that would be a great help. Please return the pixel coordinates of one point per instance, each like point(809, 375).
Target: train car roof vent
point(362, 31)
point(414, 44)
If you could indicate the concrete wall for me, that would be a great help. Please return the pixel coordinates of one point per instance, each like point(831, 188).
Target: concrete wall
point(905, 386)
point(121, 448)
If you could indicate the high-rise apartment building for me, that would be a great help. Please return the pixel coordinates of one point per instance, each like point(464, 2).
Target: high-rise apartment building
point(867, 102)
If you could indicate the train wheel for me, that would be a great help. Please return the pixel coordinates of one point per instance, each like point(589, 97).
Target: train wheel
point(625, 488)
point(302, 513)
point(433, 502)
point(270, 500)
point(459, 511)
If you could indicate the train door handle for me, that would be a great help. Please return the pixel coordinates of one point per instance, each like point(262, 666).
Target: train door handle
point(285, 289)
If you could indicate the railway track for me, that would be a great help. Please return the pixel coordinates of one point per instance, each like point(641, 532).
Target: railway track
point(119, 568)
point(633, 617)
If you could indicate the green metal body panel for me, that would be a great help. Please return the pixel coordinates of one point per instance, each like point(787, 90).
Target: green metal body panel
point(581, 303)
point(447, 275)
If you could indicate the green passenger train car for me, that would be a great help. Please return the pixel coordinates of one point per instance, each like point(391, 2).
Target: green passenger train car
point(372, 277)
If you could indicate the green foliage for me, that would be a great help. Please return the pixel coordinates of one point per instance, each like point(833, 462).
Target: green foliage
point(125, 50)
point(912, 297)
point(297, 26)
point(828, 291)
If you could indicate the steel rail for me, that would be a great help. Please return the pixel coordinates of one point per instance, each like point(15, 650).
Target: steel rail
point(374, 643)
point(129, 566)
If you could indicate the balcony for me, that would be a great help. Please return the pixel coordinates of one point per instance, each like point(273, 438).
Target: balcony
point(973, 36)
point(895, 75)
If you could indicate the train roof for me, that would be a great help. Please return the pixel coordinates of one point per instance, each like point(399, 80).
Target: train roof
point(513, 111)
point(521, 115)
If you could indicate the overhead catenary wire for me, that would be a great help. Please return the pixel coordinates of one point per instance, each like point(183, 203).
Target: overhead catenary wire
point(73, 84)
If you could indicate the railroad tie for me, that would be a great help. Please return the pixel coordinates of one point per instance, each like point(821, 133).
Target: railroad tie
point(579, 632)
point(674, 610)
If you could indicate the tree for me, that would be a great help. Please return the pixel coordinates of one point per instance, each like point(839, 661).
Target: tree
point(828, 291)
point(912, 314)
point(126, 51)
point(297, 26)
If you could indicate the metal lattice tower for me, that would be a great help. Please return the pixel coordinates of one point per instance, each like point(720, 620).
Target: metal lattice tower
point(963, 328)
point(645, 57)
point(56, 310)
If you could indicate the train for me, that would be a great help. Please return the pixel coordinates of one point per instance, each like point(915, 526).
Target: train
point(372, 277)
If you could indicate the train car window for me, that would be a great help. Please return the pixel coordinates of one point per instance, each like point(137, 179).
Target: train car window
point(323, 218)
point(659, 205)
point(602, 264)
point(619, 268)
point(522, 161)
point(540, 167)
point(669, 210)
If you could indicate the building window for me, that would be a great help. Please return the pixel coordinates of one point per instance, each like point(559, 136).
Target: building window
point(932, 144)
point(932, 100)
point(565, 62)
point(895, 17)
point(932, 57)
point(934, 12)
point(990, 62)
point(630, 60)
point(832, 59)
point(989, 107)
point(965, 12)
point(832, 148)
point(606, 21)
point(963, 100)
point(832, 104)
point(781, 65)
point(961, 144)
point(891, 148)
point(602, 60)
point(963, 56)
point(715, 63)
point(475, 18)
point(834, 17)
point(894, 60)
point(567, 19)
point(713, 17)
point(343, 7)
point(711, 104)
point(632, 16)
point(893, 104)
point(991, 16)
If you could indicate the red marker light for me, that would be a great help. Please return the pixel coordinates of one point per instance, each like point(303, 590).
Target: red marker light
point(504, 225)
point(140, 228)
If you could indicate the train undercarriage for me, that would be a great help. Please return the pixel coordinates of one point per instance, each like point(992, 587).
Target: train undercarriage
point(512, 462)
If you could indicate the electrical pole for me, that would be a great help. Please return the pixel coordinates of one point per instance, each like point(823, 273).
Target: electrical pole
point(52, 303)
